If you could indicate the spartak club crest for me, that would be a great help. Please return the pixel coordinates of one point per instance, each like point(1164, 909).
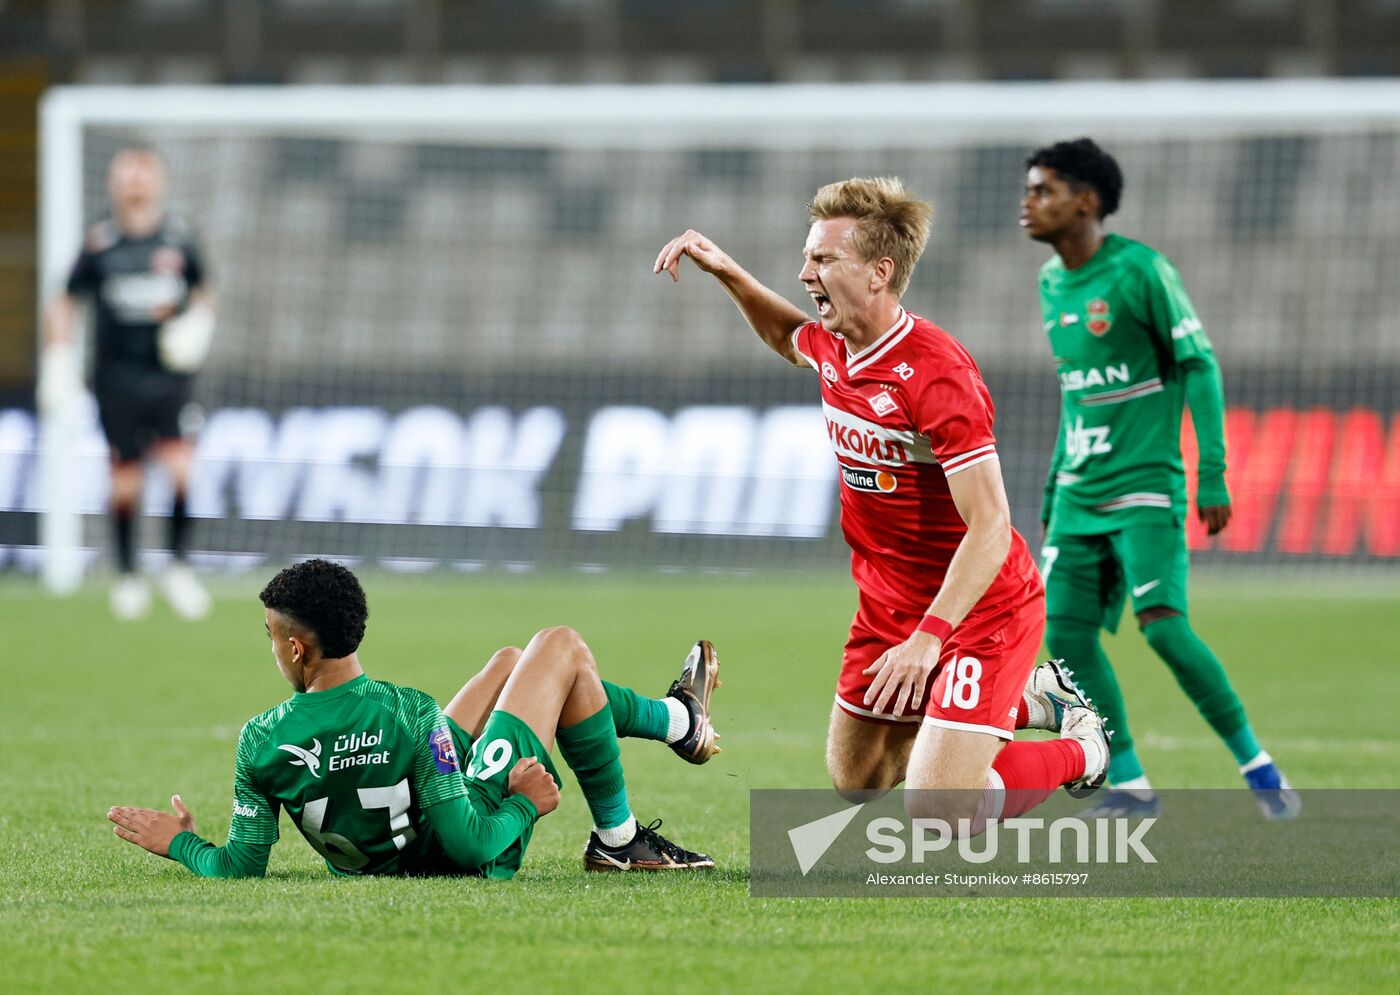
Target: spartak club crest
point(1100, 318)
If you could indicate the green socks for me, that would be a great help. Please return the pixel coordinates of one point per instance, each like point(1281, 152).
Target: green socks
point(590, 749)
point(1243, 745)
point(1077, 643)
point(637, 716)
point(1195, 667)
point(1202, 677)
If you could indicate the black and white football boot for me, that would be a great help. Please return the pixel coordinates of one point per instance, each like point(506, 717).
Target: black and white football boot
point(648, 850)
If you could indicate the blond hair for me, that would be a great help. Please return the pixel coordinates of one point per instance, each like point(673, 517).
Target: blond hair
point(890, 221)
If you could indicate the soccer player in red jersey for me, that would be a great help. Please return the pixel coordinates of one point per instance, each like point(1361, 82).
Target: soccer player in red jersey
point(939, 669)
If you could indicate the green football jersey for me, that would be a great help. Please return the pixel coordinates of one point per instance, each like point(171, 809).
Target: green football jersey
point(355, 767)
point(1121, 326)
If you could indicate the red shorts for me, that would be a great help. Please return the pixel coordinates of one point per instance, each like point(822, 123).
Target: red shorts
point(980, 677)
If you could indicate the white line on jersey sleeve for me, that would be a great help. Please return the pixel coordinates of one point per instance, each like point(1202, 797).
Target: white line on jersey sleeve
point(954, 464)
point(798, 349)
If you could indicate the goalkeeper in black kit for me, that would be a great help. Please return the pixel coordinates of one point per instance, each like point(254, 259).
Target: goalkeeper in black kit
point(143, 276)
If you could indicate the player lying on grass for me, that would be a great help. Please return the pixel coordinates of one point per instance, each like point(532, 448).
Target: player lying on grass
point(369, 771)
point(935, 675)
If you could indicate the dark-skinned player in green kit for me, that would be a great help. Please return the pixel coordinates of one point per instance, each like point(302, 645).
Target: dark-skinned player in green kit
point(369, 772)
point(1130, 353)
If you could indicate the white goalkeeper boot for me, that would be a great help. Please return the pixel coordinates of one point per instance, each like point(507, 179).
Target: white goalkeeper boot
point(185, 593)
point(129, 598)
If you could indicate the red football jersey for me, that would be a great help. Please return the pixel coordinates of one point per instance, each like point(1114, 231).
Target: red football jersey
point(905, 414)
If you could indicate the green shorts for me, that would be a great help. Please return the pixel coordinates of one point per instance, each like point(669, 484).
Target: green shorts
point(504, 740)
point(1088, 577)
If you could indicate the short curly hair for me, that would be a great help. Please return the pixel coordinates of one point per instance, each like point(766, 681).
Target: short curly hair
point(1083, 163)
point(326, 599)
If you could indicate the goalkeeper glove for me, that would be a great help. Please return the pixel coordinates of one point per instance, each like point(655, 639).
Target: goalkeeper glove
point(60, 377)
point(184, 341)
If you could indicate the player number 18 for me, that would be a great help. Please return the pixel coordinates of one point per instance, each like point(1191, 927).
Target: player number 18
point(962, 688)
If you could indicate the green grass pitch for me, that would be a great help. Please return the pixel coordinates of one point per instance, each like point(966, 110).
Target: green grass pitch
point(94, 713)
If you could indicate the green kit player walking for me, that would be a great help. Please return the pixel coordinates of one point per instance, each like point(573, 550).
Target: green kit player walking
point(370, 772)
point(1130, 352)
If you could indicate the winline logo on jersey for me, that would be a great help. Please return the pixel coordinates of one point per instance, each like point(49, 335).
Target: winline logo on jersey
point(861, 479)
point(806, 843)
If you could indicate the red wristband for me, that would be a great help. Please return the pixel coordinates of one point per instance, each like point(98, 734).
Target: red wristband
point(935, 626)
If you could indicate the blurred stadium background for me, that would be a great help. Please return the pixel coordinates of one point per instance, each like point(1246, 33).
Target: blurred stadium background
point(441, 349)
point(441, 345)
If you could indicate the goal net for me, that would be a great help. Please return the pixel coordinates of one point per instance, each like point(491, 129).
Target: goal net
point(441, 343)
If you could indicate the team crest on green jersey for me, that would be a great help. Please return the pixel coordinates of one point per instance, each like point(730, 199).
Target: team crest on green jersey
point(1100, 318)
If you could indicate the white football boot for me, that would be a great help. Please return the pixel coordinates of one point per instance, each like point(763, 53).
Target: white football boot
point(1049, 692)
point(1085, 726)
point(185, 593)
point(129, 598)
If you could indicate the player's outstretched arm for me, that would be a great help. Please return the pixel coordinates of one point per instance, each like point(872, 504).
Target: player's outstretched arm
point(174, 836)
point(152, 829)
point(768, 313)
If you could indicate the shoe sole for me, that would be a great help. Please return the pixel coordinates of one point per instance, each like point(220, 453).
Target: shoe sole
point(708, 665)
point(1154, 812)
point(1084, 790)
point(1288, 807)
point(604, 867)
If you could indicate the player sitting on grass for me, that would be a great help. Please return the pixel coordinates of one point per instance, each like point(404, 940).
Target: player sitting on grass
point(369, 771)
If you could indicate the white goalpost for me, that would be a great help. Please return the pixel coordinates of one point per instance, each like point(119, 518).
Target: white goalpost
point(440, 341)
